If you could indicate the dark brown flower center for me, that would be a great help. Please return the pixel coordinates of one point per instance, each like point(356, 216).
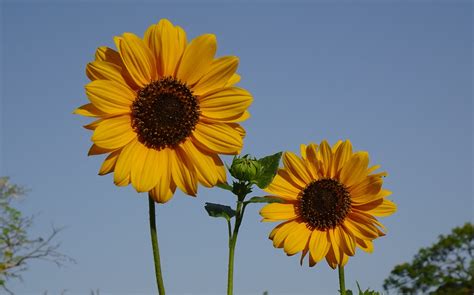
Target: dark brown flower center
point(324, 204)
point(164, 113)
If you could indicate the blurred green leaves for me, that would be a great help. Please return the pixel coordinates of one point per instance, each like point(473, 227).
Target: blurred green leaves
point(446, 267)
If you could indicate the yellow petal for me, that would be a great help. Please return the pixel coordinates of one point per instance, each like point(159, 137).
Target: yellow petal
point(334, 245)
point(282, 233)
point(360, 228)
point(101, 70)
point(203, 164)
point(335, 146)
point(233, 80)
point(331, 257)
point(152, 39)
point(164, 190)
point(303, 151)
point(147, 168)
point(217, 138)
point(324, 155)
point(366, 190)
point(93, 125)
point(345, 240)
point(311, 261)
point(368, 202)
point(318, 245)
point(276, 229)
point(237, 127)
point(183, 174)
point(89, 110)
point(138, 59)
point(107, 54)
point(110, 97)
point(344, 259)
point(311, 152)
point(111, 56)
point(221, 70)
point(369, 205)
point(109, 163)
point(342, 154)
point(366, 218)
point(366, 246)
point(233, 119)
point(387, 208)
point(373, 168)
point(296, 169)
point(311, 161)
point(283, 187)
point(96, 150)
point(221, 171)
point(297, 239)
point(197, 59)
point(225, 103)
point(114, 133)
point(332, 169)
point(173, 44)
point(355, 169)
point(277, 211)
point(303, 254)
point(335, 253)
point(124, 164)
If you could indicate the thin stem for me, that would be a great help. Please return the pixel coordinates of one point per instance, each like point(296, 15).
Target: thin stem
point(230, 269)
point(342, 283)
point(239, 214)
point(229, 229)
point(156, 249)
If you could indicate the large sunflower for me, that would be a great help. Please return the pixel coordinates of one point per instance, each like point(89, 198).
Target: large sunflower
point(166, 108)
point(329, 200)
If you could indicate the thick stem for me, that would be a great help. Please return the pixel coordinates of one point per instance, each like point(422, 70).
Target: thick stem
point(342, 283)
point(156, 249)
point(239, 214)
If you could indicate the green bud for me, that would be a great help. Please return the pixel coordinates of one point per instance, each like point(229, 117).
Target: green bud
point(245, 168)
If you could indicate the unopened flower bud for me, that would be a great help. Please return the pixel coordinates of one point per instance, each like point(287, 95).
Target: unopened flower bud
point(245, 168)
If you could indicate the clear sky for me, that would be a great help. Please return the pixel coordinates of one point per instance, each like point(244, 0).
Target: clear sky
point(394, 77)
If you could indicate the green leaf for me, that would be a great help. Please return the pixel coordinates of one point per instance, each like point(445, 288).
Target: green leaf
point(218, 210)
point(225, 186)
point(263, 200)
point(269, 169)
point(366, 292)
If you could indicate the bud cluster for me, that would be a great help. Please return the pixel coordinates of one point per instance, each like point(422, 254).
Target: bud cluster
point(245, 168)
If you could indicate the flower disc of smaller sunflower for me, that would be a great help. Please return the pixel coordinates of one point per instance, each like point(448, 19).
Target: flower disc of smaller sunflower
point(329, 201)
point(165, 110)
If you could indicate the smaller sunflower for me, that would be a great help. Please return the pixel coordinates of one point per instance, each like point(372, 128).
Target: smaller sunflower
point(330, 199)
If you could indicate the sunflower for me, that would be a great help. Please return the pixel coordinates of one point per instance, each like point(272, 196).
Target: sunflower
point(329, 199)
point(165, 109)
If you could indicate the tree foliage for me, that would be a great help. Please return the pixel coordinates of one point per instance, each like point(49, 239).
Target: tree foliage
point(17, 247)
point(446, 267)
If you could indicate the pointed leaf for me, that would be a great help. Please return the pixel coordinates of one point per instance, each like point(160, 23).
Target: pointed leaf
point(218, 210)
point(269, 169)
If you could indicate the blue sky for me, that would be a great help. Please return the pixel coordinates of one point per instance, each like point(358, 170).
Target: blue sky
point(395, 78)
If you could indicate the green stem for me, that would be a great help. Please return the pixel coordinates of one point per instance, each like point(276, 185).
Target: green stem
point(342, 283)
point(156, 249)
point(239, 214)
point(229, 229)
